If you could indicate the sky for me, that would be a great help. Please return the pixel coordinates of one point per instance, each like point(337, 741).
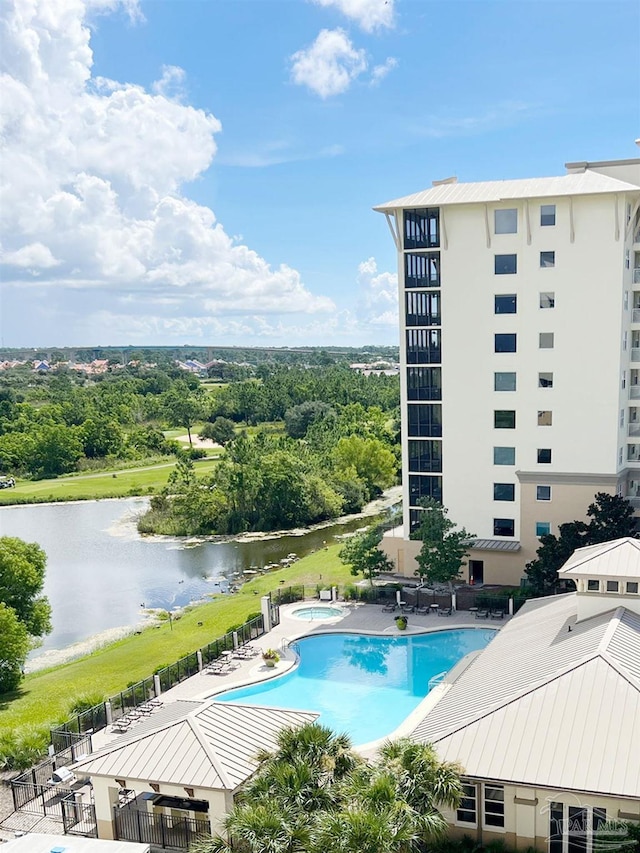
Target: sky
point(203, 171)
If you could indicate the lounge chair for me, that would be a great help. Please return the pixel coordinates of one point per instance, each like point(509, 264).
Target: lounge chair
point(497, 614)
point(482, 614)
point(423, 610)
point(389, 608)
point(445, 611)
point(408, 608)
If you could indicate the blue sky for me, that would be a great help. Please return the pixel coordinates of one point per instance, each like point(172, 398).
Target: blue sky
point(204, 172)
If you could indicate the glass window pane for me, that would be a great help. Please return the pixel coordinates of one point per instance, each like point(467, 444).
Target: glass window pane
point(504, 381)
point(543, 528)
point(424, 383)
point(506, 264)
point(544, 455)
point(424, 487)
point(421, 228)
point(545, 380)
point(545, 418)
point(422, 270)
point(632, 587)
point(503, 527)
point(547, 259)
point(543, 493)
point(505, 343)
point(504, 456)
point(505, 303)
point(548, 299)
point(504, 419)
point(612, 586)
point(504, 492)
point(546, 340)
point(547, 214)
point(506, 221)
point(593, 585)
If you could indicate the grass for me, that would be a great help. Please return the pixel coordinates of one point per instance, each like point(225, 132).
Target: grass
point(45, 697)
point(108, 484)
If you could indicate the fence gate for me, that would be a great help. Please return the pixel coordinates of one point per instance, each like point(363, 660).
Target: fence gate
point(79, 818)
point(159, 830)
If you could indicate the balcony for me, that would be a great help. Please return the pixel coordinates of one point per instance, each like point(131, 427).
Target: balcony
point(636, 275)
point(635, 315)
point(634, 430)
point(634, 392)
point(635, 353)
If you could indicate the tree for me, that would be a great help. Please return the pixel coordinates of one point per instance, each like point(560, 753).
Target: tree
point(299, 418)
point(182, 407)
point(443, 548)
point(56, 450)
point(371, 459)
point(611, 518)
point(222, 431)
point(363, 554)
point(14, 648)
point(22, 568)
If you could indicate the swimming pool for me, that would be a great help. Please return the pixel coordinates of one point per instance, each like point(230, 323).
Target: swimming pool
point(360, 684)
point(317, 611)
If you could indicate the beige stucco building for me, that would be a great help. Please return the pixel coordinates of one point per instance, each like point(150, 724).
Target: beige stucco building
point(520, 355)
point(546, 720)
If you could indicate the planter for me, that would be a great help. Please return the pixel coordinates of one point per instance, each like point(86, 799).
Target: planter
point(270, 663)
point(401, 624)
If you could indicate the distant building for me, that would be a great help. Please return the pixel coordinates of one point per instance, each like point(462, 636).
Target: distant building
point(520, 355)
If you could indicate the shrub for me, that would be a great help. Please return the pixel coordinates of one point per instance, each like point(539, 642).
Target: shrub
point(85, 701)
point(22, 748)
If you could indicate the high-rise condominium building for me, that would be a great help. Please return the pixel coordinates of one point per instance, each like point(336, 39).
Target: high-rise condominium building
point(520, 353)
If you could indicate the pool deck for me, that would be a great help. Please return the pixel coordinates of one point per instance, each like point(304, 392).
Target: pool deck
point(360, 618)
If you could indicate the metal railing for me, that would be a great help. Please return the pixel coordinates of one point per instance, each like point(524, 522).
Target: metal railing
point(634, 429)
point(635, 315)
point(159, 830)
point(636, 275)
point(635, 353)
point(634, 392)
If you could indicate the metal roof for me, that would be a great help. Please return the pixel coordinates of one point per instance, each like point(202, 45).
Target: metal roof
point(583, 183)
point(619, 558)
point(212, 747)
point(494, 545)
point(549, 702)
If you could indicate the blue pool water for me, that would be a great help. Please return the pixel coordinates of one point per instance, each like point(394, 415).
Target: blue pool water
point(362, 685)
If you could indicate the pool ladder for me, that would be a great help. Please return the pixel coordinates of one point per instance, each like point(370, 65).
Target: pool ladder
point(286, 644)
point(437, 679)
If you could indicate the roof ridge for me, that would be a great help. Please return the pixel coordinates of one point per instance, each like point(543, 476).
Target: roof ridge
point(209, 751)
point(530, 688)
point(612, 627)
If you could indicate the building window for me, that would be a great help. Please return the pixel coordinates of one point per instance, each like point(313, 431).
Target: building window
point(543, 493)
point(504, 492)
point(593, 586)
point(621, 417)
point(547, 299)
point(506, 221)
point(572, 829)
point(545, 418)
point(504, 343)
point(423, 346)
point(506, 264)
point(493, 805)
point(504, 527)
point(425, 456)
point(504, 456)
point(547, 259)
point(425, 421)
point(422, 270)
point(543, 528)
point(545, 380)
point(632, 587)
point(424, 383)
point(504, 419)
point(421, 228)
point(504, 382)
point(544, 455)
point(623, 380)
point(424, 487)
point(468, 808)
point(547, 214)
point(546, 340)
point(422, 308)
point(613, 586)
point(505, 303)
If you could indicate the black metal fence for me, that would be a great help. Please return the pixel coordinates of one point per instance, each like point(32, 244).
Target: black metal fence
point(95, 718)
point(79, 818)
point(160, 830)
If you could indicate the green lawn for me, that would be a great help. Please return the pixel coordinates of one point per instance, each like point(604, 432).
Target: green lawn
point(107, 484)
point(45, 697)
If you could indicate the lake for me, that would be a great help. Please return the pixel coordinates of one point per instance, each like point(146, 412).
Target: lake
point(101, 574)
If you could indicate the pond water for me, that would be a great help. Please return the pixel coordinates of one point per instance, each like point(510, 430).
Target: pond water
point(102, 574)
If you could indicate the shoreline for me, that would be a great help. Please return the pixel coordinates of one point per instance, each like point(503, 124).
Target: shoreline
point(57, 657)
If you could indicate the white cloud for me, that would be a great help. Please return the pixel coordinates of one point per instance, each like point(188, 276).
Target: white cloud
point(330, 65)
point(379, 295)
point(92, 176)
point(379, 72)
point(370, 15)
point(172, 83)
